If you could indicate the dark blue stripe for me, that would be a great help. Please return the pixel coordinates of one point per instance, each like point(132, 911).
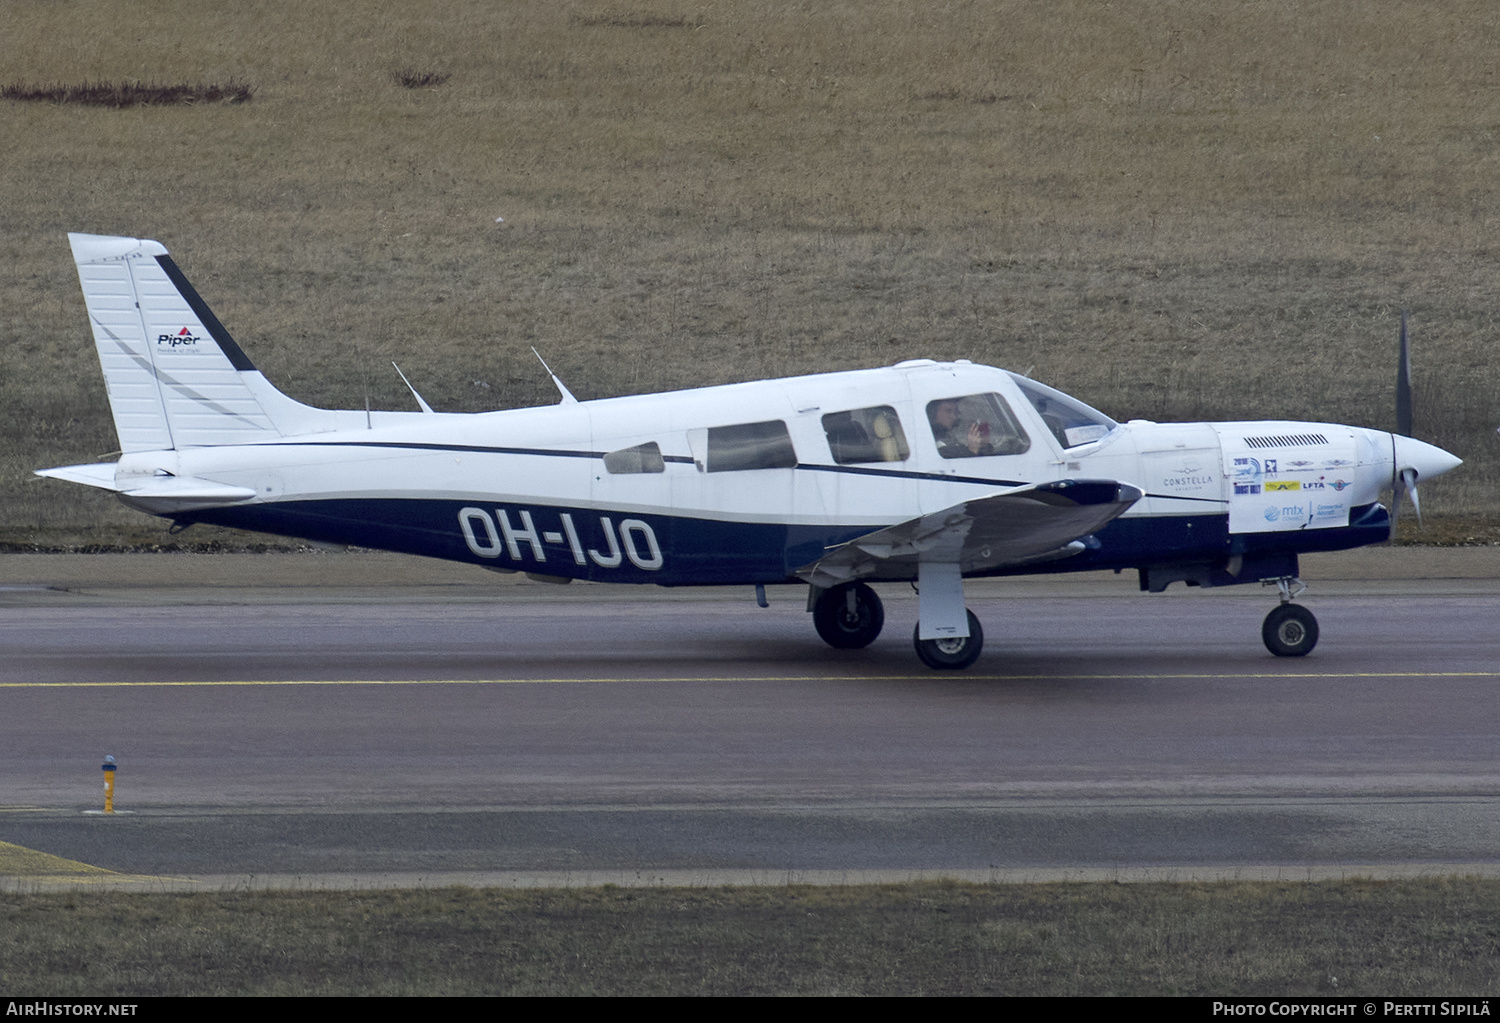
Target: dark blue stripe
point(904, 474)
point(216, 330)
point(706, 552)
point(680, 459)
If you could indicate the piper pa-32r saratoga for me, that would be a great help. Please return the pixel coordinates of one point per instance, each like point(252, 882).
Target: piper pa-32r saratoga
point(923, 471)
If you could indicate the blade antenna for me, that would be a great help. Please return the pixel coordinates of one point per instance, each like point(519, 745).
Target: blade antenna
point(567, 395)
point(425, 407)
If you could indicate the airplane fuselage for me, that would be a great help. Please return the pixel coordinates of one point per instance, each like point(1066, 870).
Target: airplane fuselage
point(535, 490)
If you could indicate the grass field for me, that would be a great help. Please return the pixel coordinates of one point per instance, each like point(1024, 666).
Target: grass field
point(1353, 938)
point(1174, 210)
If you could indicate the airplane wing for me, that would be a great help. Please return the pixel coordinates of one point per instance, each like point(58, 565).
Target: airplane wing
point(1015, 527)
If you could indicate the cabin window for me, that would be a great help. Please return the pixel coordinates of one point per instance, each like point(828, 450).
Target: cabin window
point(750, 446)
point(866, 435)
point(641, 458)
point(976, 425)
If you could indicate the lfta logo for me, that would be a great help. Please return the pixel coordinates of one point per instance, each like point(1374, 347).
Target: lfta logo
point(182, 337)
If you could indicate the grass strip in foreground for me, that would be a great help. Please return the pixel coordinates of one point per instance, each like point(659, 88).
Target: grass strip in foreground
point(1422, 937)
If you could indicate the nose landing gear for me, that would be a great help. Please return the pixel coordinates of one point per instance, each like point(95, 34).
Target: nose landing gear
point(1290, 630)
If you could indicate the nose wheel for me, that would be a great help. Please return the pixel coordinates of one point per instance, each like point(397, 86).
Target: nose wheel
point(1290, 630)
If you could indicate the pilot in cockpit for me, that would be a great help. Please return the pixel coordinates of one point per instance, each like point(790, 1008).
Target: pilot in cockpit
point(954, 440)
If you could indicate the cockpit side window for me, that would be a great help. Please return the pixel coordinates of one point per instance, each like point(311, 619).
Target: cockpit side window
point(1069, 420)
point(750, 446)
point(866, 435)
point(976, 425)
point(641, 458)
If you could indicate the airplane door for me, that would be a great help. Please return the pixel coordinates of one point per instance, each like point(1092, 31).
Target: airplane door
point(969, 431)
point(855, 449)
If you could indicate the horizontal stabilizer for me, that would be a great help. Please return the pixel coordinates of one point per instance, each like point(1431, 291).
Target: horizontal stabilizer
point(157, 494)
point(1010, 528)
point(100, 474)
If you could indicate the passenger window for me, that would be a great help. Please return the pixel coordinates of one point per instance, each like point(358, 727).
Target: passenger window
point(976, 425)
point(750, 446)
point(866, 435)
point(641, 458)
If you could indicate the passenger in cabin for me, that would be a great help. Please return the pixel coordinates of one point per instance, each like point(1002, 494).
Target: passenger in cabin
point(847, 439)
point(954, 440)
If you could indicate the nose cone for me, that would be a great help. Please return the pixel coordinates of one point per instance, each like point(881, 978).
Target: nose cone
point(1427, 459)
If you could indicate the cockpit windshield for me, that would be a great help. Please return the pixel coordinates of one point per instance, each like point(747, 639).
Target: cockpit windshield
point(1070, 420)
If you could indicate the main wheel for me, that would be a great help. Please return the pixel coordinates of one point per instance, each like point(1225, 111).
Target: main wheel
point(1290, 630)
point(952, 654)
point(849, 616)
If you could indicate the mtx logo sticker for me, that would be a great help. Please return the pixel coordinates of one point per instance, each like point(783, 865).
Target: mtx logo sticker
point(635, 540)
point(182, 337)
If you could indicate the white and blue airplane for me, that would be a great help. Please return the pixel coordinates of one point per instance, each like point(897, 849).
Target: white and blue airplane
point(925, 471)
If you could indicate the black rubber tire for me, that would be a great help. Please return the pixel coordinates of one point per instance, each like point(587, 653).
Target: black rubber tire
point(1290, 630)
point(950, 654)
point(838, 628)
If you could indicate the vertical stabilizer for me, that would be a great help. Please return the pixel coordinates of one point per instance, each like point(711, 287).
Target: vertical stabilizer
point(176, 378)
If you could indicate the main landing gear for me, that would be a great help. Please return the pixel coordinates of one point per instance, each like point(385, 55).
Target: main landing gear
point(1290, 630)
point(848, 617)
point(956, 653)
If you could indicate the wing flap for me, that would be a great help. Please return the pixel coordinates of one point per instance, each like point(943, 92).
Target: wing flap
point(1013, 527)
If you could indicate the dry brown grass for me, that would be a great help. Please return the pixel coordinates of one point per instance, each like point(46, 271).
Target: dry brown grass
point(1175, 210)
point(1351, 938)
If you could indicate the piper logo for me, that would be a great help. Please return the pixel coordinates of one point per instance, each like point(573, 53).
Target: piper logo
point(182, 337)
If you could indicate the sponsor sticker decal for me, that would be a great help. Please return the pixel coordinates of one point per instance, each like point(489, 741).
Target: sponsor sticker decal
point(1283, 485)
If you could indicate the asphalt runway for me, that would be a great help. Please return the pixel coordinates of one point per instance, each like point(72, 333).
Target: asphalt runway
point(543, 736)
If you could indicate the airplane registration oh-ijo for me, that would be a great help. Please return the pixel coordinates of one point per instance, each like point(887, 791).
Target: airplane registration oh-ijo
point(925, 472)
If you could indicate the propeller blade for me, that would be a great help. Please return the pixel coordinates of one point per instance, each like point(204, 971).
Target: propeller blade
point(1403, 384)
point(1409, 482)
point(1398, 491)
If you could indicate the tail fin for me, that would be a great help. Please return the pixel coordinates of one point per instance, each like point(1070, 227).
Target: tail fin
point(176, 378)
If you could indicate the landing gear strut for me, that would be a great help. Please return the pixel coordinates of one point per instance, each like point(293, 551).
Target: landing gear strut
point(1290, 630)
point(849, 616)
point(956, 653)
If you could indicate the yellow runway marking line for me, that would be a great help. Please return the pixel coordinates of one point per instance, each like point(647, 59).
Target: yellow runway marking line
point(956, 677)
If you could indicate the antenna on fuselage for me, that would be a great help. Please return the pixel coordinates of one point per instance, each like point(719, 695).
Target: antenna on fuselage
point(425, 407)
point(567, 395)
